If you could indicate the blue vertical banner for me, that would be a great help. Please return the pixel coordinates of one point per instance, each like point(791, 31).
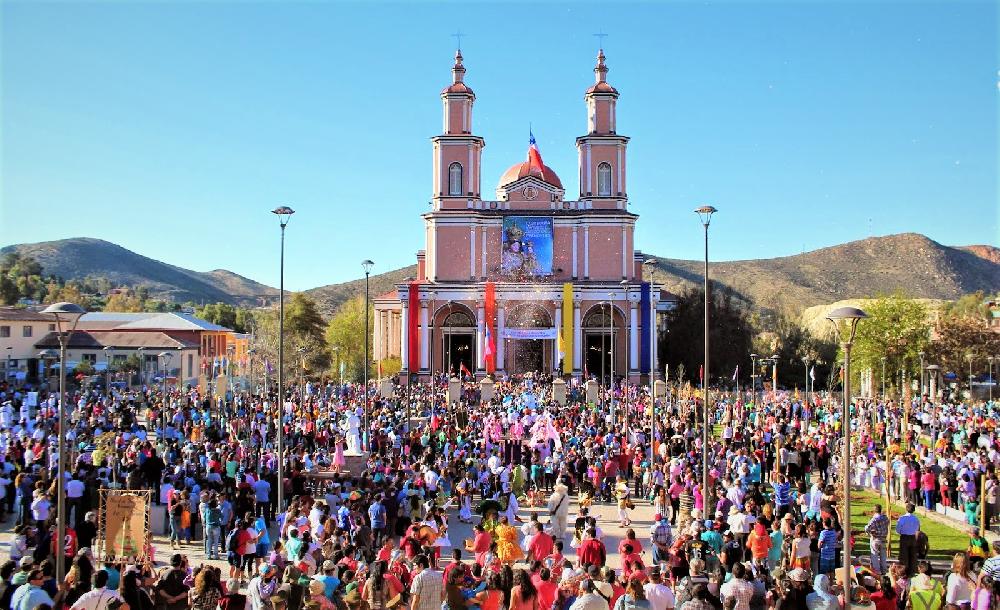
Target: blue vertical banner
point(646, 336)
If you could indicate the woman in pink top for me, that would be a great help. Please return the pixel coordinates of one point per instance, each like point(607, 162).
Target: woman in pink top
point(523, 596)
point(927, 482)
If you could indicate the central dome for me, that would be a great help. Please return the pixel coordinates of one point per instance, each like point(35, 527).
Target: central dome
point(525, 169)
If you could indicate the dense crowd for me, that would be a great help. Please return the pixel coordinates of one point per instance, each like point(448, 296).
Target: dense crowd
point(371, 530)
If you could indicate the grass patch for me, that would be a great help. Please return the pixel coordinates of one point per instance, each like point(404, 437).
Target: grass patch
point(944, 540)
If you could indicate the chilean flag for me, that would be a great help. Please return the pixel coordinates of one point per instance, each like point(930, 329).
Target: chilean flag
point(490, 346)
point(534, 156)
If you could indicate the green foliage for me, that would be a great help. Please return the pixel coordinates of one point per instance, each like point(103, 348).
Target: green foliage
point(345, 336)
point(971, 305)
point(20, 278)
point(303, 330)
point(731, 335)
point(84, 368)
point(792, 344)
point(958, 337)
point(898, 329)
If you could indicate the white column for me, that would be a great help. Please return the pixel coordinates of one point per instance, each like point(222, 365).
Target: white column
point(501, 343)
point(577, 339)
point(482, 260)
point(377, 337)
point(472, 252)
point(633, 337)
point(575, 239)
point(586, 252)
point(404, 345)
point(625, 273)
point(555, 343)
point(424, 343)
point(481, 337)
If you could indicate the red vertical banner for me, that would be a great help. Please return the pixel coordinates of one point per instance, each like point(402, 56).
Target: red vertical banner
point(413, 328)
point(490, 310)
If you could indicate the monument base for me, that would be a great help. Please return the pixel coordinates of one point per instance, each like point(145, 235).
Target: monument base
point(355, 462)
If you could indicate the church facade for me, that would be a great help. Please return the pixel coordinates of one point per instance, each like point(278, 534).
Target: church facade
point(528, 280)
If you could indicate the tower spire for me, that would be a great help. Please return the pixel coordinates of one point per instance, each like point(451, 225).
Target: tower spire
point(600, 70)
point(458, 70)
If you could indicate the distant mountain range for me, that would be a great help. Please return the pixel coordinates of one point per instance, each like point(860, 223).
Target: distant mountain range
point(83, 257)
point(911, 263)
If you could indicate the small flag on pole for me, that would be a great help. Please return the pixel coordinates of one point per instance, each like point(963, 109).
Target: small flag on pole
point(736, 373)
point(490, 347)
point(463, 370)
point(267, 366)
point(812, 373)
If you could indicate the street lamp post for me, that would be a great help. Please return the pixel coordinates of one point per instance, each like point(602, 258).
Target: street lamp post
point(753, 376)
point(6, 371)
point(611, 385)
point(68, 314)
point(705, 215)
point(774, 373)
point(845, 322)
point(883, 378)
point(165, 358)
point(651, 263)
point(921, 354)
point(969, 357)
point(805, 362)
point(107, 349)
point(990, 359)
point(625, 408)
point(367, 266)
point(284, 214)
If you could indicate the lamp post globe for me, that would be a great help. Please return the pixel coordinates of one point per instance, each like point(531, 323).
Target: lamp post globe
point(284, 214)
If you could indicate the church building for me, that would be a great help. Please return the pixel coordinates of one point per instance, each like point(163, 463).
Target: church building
point(528, 280)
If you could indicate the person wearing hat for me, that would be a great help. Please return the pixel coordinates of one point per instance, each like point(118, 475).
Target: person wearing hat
point(793, 597)
point(86, 531)
point(262, 587)
point(660, 538)
point(328, 577)
point(317, 596)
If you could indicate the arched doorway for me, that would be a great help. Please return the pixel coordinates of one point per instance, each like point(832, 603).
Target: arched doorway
point(597, 344)
point(524, 354)
point(457, 338)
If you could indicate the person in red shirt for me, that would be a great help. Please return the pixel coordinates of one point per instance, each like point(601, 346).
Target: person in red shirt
point(541, 545)
point(591, 551)
point(481, 544)
point(547, 590)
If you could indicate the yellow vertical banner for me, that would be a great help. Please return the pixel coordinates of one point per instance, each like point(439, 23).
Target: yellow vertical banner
point(567, 328)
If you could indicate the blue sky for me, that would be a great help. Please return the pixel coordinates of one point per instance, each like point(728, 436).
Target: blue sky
point(172, 128)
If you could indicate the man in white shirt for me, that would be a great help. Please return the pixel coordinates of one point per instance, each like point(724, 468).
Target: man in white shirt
point(659, 594)
point(75, 488)
point(99, 597)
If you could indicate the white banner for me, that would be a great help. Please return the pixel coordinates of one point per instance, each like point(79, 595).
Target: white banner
point(529, 333)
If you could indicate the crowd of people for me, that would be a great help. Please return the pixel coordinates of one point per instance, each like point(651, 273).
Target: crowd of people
point(535, 480)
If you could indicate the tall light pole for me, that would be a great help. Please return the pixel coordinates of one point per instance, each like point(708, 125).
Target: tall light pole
point(611, 385)
point(284, 214)
point(921, 354)
point(990, 359)
point(651, 264)
point(774, 372)
point(67, 315)
point(165, 358)
point(753, 376)
point(805, 362)
point(845, 322)
point(624, 284)
point(107, 349)
point(367, 266)
point(883, 378)
point(969, 357)
point(705, 215)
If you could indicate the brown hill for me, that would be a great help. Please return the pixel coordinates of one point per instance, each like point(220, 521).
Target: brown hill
point(911, 263)
point(83, 257)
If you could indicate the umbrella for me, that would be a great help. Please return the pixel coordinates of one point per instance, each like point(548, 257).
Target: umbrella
point(487, 506)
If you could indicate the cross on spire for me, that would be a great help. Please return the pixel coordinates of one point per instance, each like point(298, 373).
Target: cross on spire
point(458, 38)
point(600, 39)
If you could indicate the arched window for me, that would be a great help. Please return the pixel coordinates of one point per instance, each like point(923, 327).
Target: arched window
point(455, 179)
point(604, 180)
point(458, 319)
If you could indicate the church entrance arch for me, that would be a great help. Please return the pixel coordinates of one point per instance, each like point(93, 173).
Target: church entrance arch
point(597, 341)
point(525, 327)
point(458, 338)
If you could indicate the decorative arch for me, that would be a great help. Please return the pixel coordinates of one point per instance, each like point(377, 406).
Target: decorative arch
point(604, 180)
point(529, 315)
point(453, 314)
point(455, 186)
point(596, 317)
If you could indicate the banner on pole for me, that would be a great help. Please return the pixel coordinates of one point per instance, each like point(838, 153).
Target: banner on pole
point(123, 526)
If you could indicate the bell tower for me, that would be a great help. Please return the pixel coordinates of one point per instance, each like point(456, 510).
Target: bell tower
point(457, 152)
point(602, 150)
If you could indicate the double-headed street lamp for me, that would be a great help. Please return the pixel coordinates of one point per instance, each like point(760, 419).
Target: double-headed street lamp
point(805, 363)
point(845, 322)
point(67, 316)
point(165, 358)
point(705, 215)
point(284, 214)
point(367, 266)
